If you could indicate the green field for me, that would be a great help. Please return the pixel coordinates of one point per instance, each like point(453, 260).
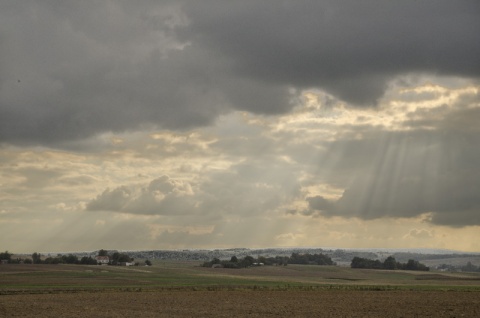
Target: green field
point(189, 275)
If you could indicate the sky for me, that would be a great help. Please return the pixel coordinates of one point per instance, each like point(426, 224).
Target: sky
point(142, 124)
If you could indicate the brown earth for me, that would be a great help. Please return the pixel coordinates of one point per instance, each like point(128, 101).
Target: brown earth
point(244, 303)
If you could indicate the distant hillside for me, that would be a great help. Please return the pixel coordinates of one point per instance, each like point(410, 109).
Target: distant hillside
point(343, 257)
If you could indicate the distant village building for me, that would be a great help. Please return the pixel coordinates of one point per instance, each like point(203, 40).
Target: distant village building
point(126, 263)
point(102, 260)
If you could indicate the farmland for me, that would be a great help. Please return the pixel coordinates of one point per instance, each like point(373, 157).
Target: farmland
point(184, 288)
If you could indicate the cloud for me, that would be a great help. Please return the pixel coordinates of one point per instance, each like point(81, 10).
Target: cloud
point(406, 175)
point(318, 205)
point(419, 234)
point(350, 49)
point(111, 200)
point(254, 122)
point(162, 196)
point(416, 156)
point(70, 71)
point(74, 70)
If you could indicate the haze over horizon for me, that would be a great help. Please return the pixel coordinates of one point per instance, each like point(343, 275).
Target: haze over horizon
point(211, 124)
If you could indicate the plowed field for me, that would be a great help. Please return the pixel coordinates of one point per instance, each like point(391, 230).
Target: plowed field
point(176, 289)
point(244, 303)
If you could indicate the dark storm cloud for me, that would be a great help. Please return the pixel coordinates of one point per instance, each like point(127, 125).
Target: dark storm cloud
point(399, 174)
point(72, 70)
point(349, 48)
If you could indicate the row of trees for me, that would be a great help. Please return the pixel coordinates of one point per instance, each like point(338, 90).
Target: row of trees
point(38, 258)
point(67, 259)
point(390, 263)
point(469, 267)
point(247, 261)
point(115, 258)
point(295, 258)
point(312, 259)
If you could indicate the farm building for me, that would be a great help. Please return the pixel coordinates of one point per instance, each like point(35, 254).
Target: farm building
point(126, 263)
point(102, 260)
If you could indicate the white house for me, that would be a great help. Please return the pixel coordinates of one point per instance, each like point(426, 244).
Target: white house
point(102, 260)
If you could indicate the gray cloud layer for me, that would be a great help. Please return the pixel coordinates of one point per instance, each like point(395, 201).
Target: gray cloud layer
point(426, 167)
point(407, 174)
point(350, 49)
point(72, 70)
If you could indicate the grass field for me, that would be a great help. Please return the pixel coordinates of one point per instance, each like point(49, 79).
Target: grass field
point(171, 275)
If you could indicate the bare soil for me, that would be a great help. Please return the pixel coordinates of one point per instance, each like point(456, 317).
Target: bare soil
point(244, 303)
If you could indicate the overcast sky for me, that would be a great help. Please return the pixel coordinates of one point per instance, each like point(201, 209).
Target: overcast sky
point(210, 124)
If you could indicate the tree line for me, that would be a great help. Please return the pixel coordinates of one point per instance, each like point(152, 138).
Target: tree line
point(469, 267)
point(311, 259)
point(247, 261)
point(37, 258)
point(115, 258)
point(315, 259)
point(390, 263)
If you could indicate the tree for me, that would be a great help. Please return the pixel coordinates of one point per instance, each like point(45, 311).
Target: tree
point(313, 259)
point(53, 260)
point(103, 252)
point(469, 268)
point(414, 265)
point(248, 261)
point(234, 259)
point(70, 259)
point(115, 257)
point(390, 263)
point(36, 258)
point(120, 258)
point(148, 263)
point(6, 255)
point(262, 259)
point(88, 260)
point(358, 262)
